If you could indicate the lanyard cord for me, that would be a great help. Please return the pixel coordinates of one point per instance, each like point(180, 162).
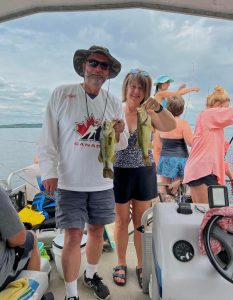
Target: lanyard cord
point(106, 101)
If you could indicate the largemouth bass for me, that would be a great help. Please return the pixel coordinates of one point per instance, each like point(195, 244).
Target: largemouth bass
point(107, 148)
point(144, 131)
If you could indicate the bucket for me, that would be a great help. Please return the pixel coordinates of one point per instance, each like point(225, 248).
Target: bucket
point(57, 247)
point(45, 265)
point(47, 235)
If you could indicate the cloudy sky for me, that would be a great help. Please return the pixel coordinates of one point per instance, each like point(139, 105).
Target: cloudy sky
point(36, 54)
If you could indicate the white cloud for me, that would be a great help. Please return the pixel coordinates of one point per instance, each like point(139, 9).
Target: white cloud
point(36, 52)
point(29, 94)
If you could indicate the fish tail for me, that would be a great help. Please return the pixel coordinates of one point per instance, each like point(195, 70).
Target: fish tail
point(147, 161)
point(108, 173)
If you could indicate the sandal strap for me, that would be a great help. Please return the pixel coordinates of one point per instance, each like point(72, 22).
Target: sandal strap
point(119, 268)
point(117, 275)
point(139, 276)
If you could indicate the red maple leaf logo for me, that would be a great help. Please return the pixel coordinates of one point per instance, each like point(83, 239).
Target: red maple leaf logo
point(82, 128)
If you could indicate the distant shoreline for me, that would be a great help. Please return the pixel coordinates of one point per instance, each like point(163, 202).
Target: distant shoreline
point(35, 125)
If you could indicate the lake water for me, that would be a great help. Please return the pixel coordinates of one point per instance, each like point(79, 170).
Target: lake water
point(19, 146)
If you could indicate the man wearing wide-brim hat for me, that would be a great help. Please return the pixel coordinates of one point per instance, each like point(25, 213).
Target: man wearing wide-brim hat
point(81, 56)
point(68, 158)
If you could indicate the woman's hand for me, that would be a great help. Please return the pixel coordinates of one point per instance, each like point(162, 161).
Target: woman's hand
point(152, 103)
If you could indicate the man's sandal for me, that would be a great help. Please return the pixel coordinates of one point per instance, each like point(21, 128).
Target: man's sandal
point(139, 276)
point(116, 274)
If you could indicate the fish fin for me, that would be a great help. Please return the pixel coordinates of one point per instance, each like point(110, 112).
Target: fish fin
point(108, 173)
point(113, 122)
point(100, 157)
point(147, 161)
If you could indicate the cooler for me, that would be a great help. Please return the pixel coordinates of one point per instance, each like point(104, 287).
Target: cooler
point(58, 243)
point(47, 235)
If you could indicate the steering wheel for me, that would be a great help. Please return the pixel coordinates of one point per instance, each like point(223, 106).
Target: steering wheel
point(222, 262)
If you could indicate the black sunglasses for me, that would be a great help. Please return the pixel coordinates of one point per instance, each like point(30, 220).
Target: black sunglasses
point(94, 64)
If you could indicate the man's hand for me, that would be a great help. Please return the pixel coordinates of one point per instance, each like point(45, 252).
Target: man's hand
point(119, 128)
point(50, 185)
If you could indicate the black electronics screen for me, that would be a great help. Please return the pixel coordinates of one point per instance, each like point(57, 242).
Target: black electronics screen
point(218, 196)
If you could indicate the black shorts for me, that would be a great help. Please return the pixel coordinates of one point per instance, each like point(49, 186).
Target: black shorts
point(208, 180)
point(135, 183)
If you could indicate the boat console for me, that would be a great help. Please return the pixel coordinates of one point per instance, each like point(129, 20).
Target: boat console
point(179, 270)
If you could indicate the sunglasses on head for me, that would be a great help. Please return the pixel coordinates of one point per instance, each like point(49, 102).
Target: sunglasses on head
point(95, 63)
point(135, 72)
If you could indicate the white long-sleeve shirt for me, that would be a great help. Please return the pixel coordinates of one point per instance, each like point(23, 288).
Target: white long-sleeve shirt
point(69, 144)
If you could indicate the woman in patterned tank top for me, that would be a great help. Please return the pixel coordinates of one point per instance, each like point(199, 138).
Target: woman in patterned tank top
point(135, 183)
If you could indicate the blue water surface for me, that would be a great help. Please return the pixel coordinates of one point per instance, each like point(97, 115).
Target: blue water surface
point(18, 148)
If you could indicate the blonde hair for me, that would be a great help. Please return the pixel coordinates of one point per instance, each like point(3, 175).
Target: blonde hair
point(175, 104)
point(219, 95)
point(140, 77)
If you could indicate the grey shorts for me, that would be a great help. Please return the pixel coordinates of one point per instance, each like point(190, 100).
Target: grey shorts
point(74, 209)
point(20, 262)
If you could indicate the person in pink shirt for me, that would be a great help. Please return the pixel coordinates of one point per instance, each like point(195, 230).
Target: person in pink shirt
point(171, 147)
point(205, 165)
point(228, 171)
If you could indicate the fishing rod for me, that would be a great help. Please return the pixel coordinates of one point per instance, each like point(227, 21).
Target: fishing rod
point(189, 95)
point(231, 140)
point(24, 179)
point(19, 141)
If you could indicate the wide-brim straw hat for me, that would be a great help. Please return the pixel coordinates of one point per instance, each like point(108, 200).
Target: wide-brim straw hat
point(81, 55)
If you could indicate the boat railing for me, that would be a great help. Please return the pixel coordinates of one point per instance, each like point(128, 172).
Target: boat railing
point(28, 178)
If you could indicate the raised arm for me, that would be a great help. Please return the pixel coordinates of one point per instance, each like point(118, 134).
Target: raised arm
point(183, 86)
point(161, 118)
point(162, 94)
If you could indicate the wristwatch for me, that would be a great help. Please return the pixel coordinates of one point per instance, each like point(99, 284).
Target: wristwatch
point(159, 110)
